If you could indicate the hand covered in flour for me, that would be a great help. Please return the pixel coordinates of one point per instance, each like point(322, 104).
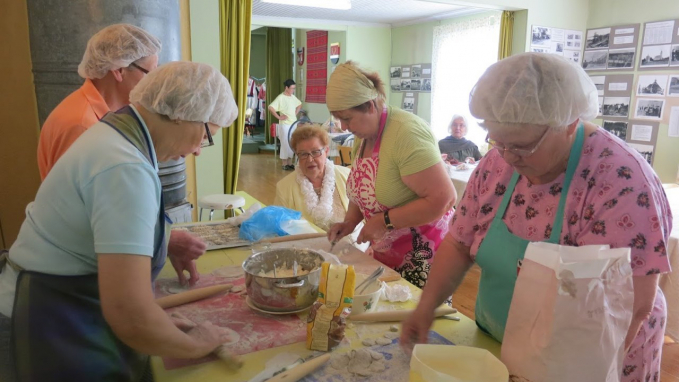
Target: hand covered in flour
point(183, 248)
point(373, 229)
point(339, 230)
point(415, 329)
point(183, 243)
point(207, 337)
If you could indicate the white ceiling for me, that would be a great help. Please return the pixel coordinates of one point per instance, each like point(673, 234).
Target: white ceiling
point(387, 12)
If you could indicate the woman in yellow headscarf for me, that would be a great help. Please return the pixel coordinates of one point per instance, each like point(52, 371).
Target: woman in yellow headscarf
point(398, 183)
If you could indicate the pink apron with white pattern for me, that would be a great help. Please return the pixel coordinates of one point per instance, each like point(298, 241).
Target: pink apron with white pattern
point(410, 250)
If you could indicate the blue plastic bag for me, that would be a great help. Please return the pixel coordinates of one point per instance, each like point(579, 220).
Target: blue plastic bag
point(267, 222)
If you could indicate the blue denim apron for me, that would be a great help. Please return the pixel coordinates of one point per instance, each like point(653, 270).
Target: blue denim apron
point(58, 330)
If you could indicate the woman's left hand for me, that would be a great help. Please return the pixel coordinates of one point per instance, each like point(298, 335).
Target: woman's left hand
point(470, 160)
point(180, 264)
point(373, 229)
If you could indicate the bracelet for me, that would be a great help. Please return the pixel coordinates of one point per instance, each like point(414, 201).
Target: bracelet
point(387, 221)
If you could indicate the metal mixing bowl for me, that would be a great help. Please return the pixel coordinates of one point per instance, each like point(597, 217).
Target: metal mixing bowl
point(283, 294)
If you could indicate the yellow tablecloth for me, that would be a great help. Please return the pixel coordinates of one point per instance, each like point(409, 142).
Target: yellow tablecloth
point(463, 332)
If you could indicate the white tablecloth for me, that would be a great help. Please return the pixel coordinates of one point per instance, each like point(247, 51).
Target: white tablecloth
point(460, 179)
point(669, 283)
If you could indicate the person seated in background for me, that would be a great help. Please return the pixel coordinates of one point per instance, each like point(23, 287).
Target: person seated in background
point(333, 125)
point(317, 188)
point(456, 146)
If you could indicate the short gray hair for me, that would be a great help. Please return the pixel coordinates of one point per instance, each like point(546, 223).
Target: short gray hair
point(457, 116)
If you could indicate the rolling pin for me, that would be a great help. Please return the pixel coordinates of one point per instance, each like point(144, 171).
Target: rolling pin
point(397, 315)
point(191, 295)
point(300, 371)
point(302, 236)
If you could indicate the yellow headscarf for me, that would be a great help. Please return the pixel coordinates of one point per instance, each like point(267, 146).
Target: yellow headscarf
point(348, 88)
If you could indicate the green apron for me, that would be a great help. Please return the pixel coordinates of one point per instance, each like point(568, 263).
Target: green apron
point(501, 252)
point(58, 330)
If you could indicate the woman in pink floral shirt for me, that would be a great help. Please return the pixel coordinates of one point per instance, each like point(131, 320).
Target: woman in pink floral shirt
point(550, 170)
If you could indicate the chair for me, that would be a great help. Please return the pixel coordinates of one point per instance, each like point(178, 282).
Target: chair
point(272, 133)
point(345, 155)
point(220, 202)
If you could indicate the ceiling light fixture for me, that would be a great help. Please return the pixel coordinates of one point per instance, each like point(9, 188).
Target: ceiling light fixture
point(330, 4)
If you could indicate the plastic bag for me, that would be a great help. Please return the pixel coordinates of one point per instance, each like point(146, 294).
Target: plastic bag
point(267, 222)
point(297, 227)
point(396, 292)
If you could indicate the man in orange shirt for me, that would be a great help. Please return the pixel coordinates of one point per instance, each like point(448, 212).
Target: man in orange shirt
point(116, 59)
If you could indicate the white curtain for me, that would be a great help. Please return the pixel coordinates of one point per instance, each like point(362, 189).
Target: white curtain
point(462, 52)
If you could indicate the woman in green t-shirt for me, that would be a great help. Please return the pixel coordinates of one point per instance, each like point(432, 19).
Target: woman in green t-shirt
point(398, 183)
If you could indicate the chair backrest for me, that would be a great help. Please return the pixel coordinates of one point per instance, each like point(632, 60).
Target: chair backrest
point(345, 155)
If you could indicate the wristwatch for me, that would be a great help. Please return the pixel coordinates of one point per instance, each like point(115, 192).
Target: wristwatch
point(387, 221)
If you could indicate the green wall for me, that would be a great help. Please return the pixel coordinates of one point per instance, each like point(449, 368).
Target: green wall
point(604, 13)
point(371, 47)
point(205, 49)
point(372, 54)
point(258, 56)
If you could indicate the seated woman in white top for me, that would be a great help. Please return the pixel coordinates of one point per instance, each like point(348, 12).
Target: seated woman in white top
point(317, 188)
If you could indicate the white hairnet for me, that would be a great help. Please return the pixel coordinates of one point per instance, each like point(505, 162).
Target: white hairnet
point(115, 47)
point(534, 88)
point(188, 91)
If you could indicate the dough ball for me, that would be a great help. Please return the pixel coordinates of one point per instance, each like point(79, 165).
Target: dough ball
point(383, 341)
point(368, 342)
point(339, 361)
point(231, 335)
point(377, 367)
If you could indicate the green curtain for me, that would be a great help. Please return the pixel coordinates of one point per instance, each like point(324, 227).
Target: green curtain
point(506, 35)
point(234, 39)
point(278, 68)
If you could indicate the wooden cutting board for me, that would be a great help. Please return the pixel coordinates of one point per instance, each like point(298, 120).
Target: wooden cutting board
point(347, 253)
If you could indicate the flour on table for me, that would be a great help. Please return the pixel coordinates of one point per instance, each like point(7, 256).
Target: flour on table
point(229, 272)
point(175, 287)
point(361, 362)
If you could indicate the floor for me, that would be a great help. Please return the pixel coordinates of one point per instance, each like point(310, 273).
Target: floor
point(258, 175)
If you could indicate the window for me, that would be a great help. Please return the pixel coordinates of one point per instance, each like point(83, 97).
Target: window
point(463, 50)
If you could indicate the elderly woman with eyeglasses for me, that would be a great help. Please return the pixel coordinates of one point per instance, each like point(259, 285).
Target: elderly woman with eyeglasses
point(552, 176)
point(77, 283)
point(317, 188)
point(455, 146)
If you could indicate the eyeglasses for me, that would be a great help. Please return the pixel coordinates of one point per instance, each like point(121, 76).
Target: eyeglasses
point(313, 154)
point(518, 152)
point(207, 142)
point(140, 68)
